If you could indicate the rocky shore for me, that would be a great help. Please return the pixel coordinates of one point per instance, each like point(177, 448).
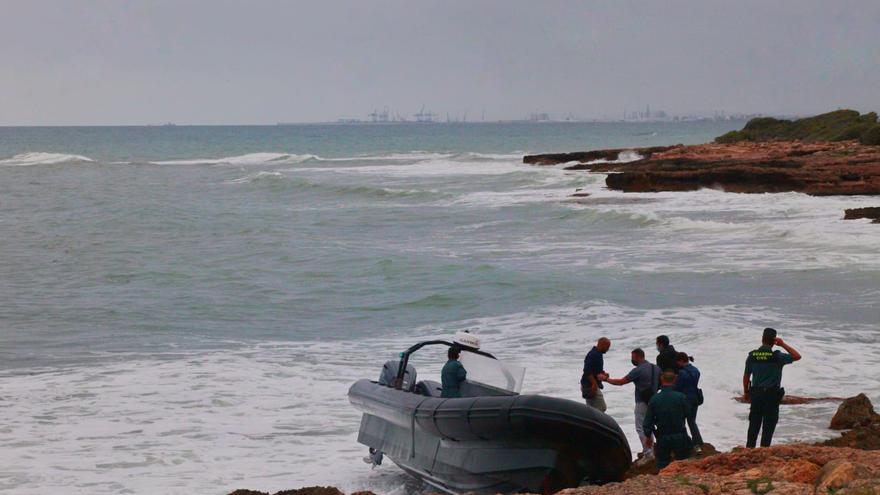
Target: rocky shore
point(819, 168)
point(849, 464)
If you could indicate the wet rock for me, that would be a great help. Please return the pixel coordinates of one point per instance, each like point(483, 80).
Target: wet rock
point(854, 411)
point(311, 490)
point(864, 437)
point(871, 213)
point(588, 156)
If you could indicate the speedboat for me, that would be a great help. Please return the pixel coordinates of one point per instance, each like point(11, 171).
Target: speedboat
point(492, 438)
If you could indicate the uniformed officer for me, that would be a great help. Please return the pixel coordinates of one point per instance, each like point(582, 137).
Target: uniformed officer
point(453, 374)
point(764, 391)
point(667, 412)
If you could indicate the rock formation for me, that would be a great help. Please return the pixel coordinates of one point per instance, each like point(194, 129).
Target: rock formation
point(855, 411)
point(820, 169)
point(872, 213)
point(311, 490)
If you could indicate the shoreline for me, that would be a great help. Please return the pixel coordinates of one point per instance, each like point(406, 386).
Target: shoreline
point(848, 464)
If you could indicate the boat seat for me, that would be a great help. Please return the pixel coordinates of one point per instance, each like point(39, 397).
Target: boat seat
point(428, 388)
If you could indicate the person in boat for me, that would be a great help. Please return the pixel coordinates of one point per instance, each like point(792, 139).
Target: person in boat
point(594, 373)
point(665, 420)
point(666, 356)
point(688, 383)
point(453, 375)
point(762, 386)
point(645, 376)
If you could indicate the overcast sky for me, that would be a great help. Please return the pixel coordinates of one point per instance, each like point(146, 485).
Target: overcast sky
point(217, 61)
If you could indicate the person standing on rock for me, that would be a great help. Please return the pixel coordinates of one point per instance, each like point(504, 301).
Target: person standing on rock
point(453, 374)
point(646, 378)
point(688, 383)
point(594, 373)
point(762, 386)
point(667, 413)
point(666, 356)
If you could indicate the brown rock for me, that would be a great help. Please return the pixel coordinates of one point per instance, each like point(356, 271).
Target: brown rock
point(820, 169)
point(798, 471)
point(864, 437)
point(861, 487)
point(836, 474)
point(588, 156)
point(854, 411)
point(872, 213)
point(311, 490)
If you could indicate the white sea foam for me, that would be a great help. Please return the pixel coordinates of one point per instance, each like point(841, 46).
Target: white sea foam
point(241, 160)
point(427, 168)
point(412, 155)
point(39, 158)
point(259, 176)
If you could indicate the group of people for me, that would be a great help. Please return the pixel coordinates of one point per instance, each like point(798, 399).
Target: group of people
point(668, 394)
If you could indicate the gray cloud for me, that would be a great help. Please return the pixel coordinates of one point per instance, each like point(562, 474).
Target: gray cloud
point(221, 61)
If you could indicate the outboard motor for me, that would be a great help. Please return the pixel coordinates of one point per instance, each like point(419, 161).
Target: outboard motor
point(389, 374)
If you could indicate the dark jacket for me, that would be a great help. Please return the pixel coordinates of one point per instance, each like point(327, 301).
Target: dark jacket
point(666, 358)
point(452, 376)
point(688, 383)
point(594, 363)
point(667, 412)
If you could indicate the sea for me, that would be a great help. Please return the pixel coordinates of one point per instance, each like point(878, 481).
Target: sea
point(183, 308)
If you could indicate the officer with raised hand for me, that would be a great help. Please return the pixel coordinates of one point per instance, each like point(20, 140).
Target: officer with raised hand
point(762, 386)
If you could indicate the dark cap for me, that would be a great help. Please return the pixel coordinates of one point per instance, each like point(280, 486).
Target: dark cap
point(769, 335)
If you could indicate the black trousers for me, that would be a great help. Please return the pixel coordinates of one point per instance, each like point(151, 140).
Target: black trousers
point(666, 445)
point(763, 415)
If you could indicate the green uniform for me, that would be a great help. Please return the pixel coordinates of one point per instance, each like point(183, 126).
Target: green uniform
point(764, 365)
point(667, 413)
point(452, 376)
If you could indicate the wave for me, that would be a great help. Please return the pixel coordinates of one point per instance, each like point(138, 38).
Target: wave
point(247, 159)
point(427, 155)
point(625, 156)
point(41, 158)
point(397, 156)
point(269, 158)
point(589, 215)
point(278, 179)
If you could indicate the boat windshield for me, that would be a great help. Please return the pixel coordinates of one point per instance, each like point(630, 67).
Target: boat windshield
point(493, 372)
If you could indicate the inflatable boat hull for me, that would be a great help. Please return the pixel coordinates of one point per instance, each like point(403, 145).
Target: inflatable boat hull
point(498, 443)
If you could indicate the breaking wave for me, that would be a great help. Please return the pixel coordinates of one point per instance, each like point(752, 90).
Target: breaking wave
point(40, 158)
point(282, 181)
point(247, 159)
